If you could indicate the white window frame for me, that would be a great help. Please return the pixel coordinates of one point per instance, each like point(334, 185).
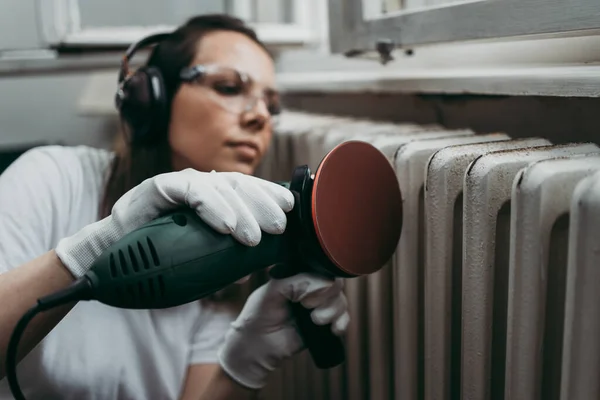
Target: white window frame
point(61, 26)
point(469, 20)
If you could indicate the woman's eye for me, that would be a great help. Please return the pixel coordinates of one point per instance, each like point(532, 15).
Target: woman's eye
point(227, 89)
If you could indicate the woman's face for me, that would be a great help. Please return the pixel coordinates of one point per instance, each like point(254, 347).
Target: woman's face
point(213, 125)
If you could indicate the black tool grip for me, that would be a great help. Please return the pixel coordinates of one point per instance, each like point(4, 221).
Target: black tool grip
point(326, 349)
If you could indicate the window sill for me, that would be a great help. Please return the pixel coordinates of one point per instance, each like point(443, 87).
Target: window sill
point(572, 81)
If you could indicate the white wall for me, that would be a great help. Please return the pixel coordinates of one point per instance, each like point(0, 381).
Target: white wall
point(43, 108)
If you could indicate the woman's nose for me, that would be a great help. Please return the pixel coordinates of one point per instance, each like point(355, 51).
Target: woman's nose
point(255, 114)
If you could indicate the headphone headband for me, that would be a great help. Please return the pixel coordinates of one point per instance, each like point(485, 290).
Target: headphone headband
point(134, 47)
point(140, 96)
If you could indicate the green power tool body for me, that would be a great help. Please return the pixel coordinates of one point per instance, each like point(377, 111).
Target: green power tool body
point(178, 258)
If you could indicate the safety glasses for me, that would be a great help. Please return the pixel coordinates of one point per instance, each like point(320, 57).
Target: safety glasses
point(233, 90)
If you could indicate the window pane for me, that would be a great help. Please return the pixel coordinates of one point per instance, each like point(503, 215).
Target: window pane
point(18, 29)
point(114, 13)
point(443, 2)
point(388, 6)
point(391, 6)
point(273, 11)
point(103, 13)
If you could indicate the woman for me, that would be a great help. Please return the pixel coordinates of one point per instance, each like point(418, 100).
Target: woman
point(61, 207)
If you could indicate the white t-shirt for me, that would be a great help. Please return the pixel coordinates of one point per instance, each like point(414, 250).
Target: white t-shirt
point(96, 351)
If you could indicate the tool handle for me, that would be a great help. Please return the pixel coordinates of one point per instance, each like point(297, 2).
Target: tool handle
point(326, 349)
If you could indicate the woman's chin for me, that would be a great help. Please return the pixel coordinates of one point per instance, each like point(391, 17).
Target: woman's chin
point(236, 166)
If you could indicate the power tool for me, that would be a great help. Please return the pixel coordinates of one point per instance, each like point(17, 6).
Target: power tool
point(346, 222)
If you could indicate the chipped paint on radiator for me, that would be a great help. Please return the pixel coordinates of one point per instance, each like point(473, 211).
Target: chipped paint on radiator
point(541, 197)
point(443, 261)
point(486, 238)
point(410, 161)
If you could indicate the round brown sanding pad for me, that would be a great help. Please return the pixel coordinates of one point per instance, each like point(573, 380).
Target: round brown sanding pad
point(357, 208)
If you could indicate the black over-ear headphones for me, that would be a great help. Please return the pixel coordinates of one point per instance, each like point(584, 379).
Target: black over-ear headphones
point(141, 98)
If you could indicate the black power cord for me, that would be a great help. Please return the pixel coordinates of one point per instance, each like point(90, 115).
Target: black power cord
point(79, 290)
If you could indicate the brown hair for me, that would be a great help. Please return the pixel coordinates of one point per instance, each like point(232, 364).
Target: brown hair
point(135, 162)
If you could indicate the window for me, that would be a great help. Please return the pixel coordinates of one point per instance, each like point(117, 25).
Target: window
point(497, 47)
point(359, 25)
point(116, 23)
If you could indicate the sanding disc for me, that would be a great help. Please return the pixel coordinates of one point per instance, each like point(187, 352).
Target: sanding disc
point(357, 208)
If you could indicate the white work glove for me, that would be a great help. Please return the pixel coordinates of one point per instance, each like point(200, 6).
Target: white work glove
point(265, 333)
point(230, 202)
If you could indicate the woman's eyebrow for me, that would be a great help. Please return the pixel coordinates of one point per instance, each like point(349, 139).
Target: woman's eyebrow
point(256, 81)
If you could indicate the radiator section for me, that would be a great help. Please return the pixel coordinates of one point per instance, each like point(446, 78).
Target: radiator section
point(486, 239)
point(492, 290)
point(581, 343)
point(408, 273)
point(443, 261)
point(540, 214)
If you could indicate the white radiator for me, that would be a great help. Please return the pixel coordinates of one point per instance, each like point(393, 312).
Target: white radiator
point(494, 288)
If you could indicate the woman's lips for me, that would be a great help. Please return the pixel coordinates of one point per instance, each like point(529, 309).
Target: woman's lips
point(246, 150)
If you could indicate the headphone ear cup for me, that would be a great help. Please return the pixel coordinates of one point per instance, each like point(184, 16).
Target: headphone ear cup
point(142, 102)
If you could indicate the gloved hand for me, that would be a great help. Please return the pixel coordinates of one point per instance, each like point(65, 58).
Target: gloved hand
point(230, 202)
point(264, 334)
